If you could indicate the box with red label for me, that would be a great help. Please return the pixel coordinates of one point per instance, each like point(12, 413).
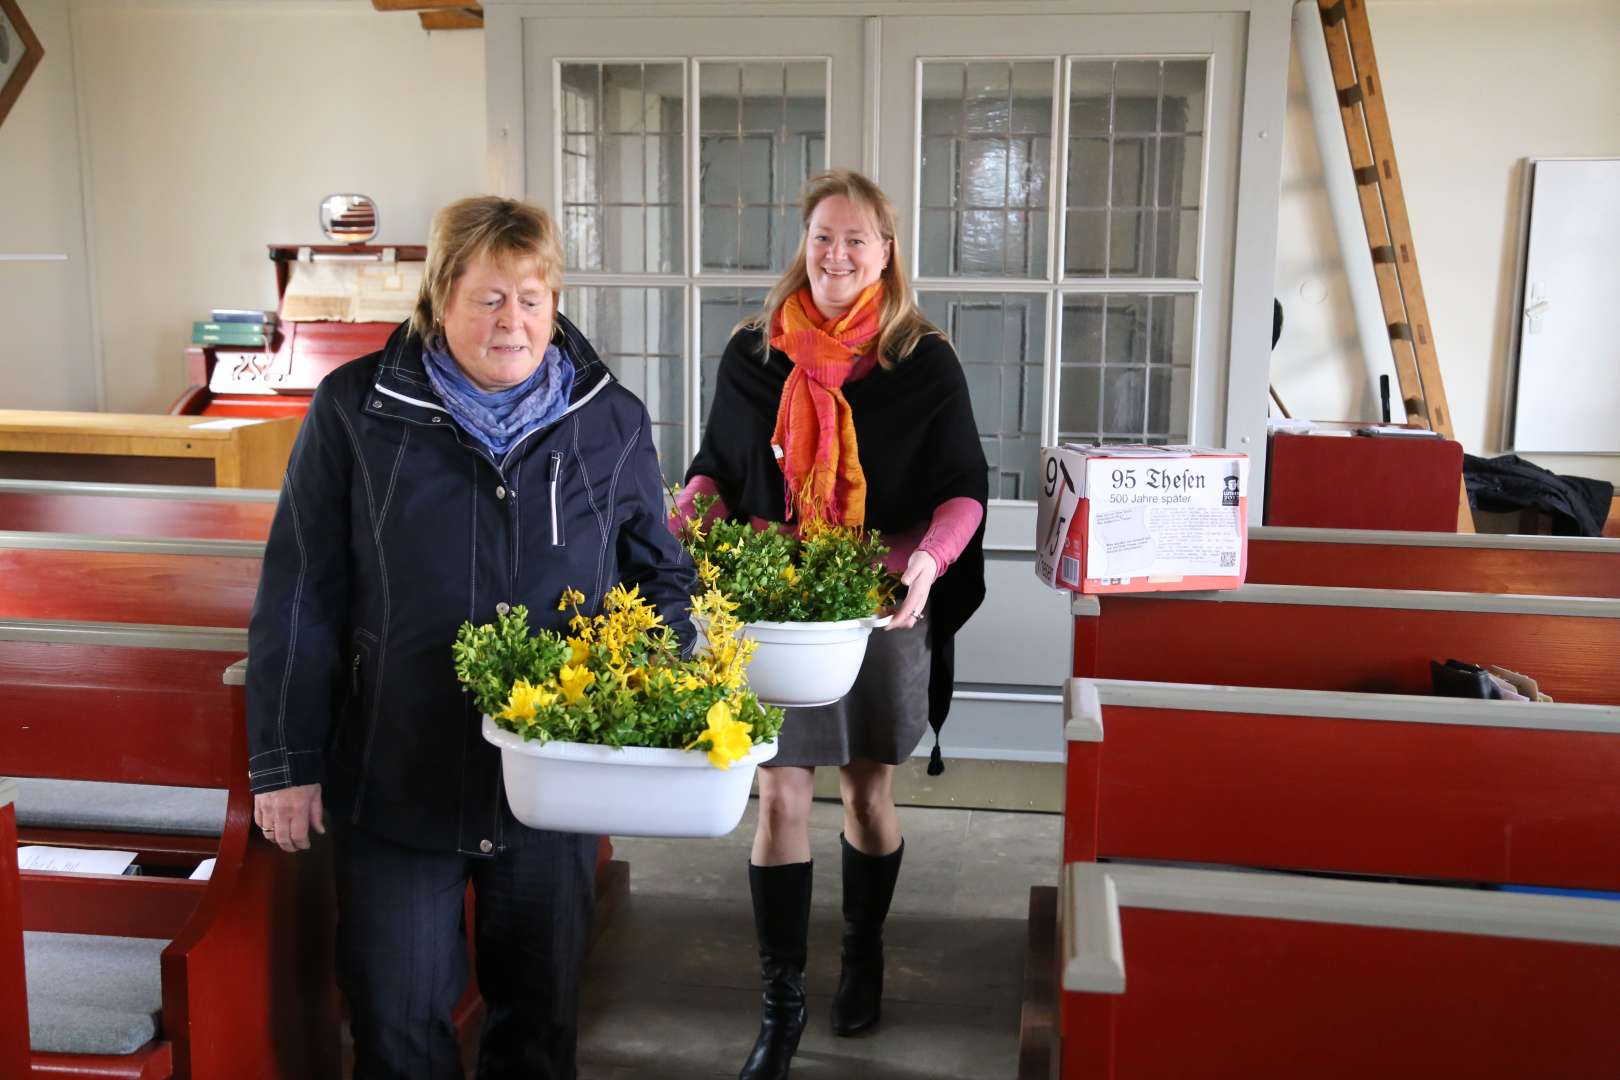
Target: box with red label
point(1142, 518)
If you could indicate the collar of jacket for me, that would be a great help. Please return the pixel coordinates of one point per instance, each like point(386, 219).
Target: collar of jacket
point(402, 389)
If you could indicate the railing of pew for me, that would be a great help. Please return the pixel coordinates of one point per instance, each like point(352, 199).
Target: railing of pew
point(246, 976)
point(1188, 972)
point(1385, 785)
point(1447, 562)
point(139, 511)
point(1329, 638)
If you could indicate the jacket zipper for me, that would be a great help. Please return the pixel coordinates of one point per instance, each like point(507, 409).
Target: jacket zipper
point(354, 677)
point(554, 474)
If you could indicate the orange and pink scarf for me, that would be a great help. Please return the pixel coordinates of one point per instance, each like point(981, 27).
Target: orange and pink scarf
point(814, 438)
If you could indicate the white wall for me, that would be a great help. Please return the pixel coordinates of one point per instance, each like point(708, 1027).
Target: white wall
point(1473, 87)
point(45, 356)
point(213, 128)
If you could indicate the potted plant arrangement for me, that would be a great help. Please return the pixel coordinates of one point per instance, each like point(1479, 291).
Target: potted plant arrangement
point(606, 729)
point(808, 601)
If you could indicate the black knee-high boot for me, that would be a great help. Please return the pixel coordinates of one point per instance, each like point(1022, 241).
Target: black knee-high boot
point(868, 888)
point(782, 924)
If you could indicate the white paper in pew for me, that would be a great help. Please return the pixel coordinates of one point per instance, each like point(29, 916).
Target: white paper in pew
point(204, 871)
point(73, 860)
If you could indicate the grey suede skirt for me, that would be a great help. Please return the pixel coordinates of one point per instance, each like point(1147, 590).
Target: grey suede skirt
point(882, 718)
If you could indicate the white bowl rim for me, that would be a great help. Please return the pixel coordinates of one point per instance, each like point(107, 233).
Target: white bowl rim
point(648, 756)
point(871, 622)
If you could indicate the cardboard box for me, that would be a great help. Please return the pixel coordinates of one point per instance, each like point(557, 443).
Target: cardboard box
point(1142, 518)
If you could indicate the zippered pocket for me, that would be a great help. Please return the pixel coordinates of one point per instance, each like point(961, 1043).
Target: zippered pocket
point(554, 478)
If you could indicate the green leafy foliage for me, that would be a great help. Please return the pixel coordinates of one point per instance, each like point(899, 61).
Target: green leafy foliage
point(827, 573)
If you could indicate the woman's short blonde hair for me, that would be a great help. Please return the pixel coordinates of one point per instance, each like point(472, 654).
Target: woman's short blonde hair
point(517, 236)
point(901, 324)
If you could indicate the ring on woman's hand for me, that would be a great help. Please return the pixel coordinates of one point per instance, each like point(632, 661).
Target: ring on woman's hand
point(268, 830)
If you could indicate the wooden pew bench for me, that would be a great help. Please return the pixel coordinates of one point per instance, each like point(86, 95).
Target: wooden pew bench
point(1372, 784)
point(243, 959)
point(1365, 640)
point(1447, 562)
point(137, 511)
point(14, 1051)
point(208, 583)
point(1170, 972)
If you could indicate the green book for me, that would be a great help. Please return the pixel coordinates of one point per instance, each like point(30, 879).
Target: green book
point(206, 333)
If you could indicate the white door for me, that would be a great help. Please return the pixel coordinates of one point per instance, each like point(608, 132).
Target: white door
point(1067, 188)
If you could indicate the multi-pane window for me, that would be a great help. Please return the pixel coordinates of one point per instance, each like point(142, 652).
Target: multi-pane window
point(719, 312)
point(1125, 169)
point(986, 168)
point(637, 333)
point(762, 130)
point(622, 182)
point(758, 130)
point(1126, 369)
point(1001, 339)
point(1135, 159)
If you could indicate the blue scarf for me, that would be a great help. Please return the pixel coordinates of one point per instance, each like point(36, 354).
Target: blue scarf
point(500, 418)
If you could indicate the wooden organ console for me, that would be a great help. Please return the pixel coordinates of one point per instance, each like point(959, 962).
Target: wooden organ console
point(278, 381)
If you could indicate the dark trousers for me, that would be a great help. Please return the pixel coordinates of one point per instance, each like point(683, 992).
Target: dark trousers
point(402, 954)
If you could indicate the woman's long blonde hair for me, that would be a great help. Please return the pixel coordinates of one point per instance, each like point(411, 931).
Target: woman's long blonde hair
point(901, 325)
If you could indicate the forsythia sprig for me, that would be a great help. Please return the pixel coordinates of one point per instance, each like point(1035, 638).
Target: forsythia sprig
point(617, 678)
point(826, 573)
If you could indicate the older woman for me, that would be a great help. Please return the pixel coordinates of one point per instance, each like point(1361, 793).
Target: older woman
point(841, 402)
point(484, 458)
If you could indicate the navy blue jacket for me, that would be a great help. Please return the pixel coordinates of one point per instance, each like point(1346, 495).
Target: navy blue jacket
point(394, 526)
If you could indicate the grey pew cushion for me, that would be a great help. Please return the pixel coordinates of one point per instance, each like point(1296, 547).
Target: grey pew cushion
point(89, 994)
point(147, 808)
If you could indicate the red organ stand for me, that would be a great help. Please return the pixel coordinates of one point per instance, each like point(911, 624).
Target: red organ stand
point(245, 382)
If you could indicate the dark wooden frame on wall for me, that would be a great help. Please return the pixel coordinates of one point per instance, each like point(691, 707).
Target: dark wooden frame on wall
point(33, 51)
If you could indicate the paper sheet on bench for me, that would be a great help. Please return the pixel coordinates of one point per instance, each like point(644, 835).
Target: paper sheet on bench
point(73, 860)
point(204, 871)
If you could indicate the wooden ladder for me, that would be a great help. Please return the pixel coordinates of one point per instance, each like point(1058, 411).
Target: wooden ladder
point(1389, 230)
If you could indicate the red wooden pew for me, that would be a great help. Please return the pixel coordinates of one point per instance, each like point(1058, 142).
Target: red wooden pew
point(1448, 562)
point(1172, 972)
point(1373, 784)
point(110, 579)
point(247, 985)
point(14, 1052)
point(136, 510)
point(1329, 638)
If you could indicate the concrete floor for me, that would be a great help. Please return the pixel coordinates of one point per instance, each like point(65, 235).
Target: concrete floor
point(672, 988)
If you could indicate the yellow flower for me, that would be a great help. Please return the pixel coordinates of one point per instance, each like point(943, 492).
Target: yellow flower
point(525, 700)
point(578, 651)
point(728, 739)
point(791, 574)
point(570, 596)
point(574, 680)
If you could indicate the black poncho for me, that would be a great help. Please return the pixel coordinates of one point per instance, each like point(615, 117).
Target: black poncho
point(918, 446)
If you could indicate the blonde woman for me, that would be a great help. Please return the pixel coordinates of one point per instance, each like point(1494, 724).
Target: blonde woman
point(840, 401)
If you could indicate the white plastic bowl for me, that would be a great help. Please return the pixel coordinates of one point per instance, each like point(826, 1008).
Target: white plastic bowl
point(628, 791)
point(804, 664)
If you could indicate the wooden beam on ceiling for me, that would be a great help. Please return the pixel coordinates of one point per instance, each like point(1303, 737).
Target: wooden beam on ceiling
point(460, 19)
point(419, 5)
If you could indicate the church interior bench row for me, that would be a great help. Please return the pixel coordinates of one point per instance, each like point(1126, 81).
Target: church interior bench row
point(1170, 971)
point(140, 975)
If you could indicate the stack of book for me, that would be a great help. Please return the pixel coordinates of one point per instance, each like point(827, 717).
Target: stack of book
point(232, 327)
